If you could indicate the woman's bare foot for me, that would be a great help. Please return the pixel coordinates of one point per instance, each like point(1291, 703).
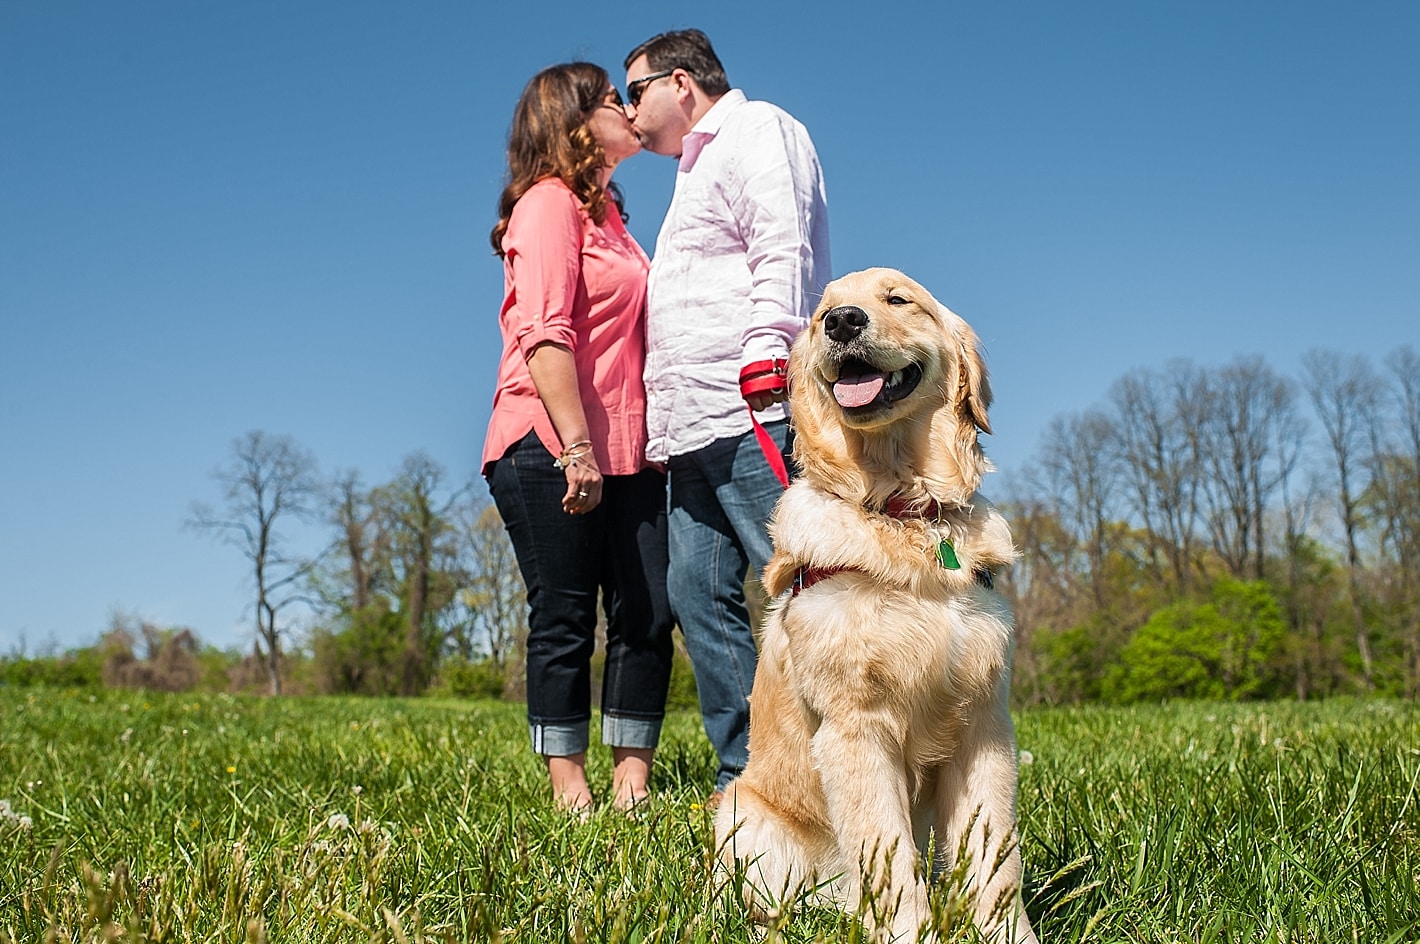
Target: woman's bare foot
point(569, 782)
point(631, 776)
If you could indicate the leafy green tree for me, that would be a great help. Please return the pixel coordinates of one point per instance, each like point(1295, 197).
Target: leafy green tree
point(363, 654)
point(1226, 648)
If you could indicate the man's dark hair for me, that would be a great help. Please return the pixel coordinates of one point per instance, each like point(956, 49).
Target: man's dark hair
point(684, 49)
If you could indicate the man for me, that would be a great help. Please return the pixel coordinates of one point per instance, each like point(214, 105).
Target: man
point(740, 263)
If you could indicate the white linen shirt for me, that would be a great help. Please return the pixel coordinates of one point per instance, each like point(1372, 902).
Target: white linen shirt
point(740, 264)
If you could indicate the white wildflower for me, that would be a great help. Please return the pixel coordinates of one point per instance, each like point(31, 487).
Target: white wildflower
point(338, 821)
point(1027, 758)
point(8, 815)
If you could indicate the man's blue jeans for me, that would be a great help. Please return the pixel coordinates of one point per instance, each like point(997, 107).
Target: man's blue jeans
point(720, 501)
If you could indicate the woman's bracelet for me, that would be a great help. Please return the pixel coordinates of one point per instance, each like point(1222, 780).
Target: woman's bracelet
point(572, 453)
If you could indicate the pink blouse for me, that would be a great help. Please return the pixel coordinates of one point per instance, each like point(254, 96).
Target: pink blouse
point(572, 282)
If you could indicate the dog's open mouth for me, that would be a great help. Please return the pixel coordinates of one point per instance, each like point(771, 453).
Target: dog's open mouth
point(860, 384)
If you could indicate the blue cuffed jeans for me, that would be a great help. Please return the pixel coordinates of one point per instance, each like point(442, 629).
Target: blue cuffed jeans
point(617, 549)
point(721, 497)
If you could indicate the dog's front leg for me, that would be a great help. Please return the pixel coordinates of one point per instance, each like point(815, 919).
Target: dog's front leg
point(976, 811)
point(865, 786)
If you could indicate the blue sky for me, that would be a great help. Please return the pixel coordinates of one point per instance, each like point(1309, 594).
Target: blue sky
point(223, 217)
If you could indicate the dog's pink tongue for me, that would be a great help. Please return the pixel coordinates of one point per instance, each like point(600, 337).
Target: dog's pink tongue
point(857, 391)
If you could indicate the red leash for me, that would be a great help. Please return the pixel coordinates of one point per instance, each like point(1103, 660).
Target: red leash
point(770, 376)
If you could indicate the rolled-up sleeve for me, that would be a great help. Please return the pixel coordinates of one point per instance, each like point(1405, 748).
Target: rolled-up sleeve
point(773, 198)
point(543, 246)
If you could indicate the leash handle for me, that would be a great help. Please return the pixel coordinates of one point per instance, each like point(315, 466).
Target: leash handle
point(771, 376)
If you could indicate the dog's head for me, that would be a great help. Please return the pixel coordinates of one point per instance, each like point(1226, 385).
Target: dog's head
point(888, 391)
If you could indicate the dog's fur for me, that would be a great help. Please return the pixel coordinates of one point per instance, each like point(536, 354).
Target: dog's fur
point(879, 715)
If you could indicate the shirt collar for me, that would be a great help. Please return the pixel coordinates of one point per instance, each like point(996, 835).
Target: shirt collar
point(707, 127)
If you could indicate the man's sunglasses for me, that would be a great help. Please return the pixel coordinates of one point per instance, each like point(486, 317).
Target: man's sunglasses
point(635, 88)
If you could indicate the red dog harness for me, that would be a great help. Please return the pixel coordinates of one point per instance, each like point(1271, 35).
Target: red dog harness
point(899, 508)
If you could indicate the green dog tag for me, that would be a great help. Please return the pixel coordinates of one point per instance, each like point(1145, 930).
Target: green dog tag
point(947, 555)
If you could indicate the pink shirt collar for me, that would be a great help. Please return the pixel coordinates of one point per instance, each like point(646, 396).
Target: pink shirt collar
point(707, 127)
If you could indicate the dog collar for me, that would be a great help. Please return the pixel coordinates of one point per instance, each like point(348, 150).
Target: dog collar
point(806, 577)
point(899, 507)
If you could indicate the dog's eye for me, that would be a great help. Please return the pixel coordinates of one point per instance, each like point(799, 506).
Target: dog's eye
point(897, 300)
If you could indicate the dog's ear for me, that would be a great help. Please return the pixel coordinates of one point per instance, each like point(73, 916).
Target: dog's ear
point(963, 461)
point(973, 396)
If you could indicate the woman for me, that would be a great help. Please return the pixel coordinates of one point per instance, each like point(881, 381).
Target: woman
point(565, 453)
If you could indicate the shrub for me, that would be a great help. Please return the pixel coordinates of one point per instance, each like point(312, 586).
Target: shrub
point(1224, 648)
point(465, 678)
point(76, 668)
point(363, 658)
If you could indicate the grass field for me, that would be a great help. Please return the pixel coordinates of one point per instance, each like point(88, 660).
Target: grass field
point(143, 817)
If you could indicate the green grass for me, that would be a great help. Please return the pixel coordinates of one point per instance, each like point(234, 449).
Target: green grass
point(181, 818)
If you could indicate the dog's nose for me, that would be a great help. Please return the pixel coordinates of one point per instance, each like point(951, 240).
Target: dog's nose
point(845, 322)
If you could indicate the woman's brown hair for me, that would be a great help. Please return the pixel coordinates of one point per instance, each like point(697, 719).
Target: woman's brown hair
point(550, 138)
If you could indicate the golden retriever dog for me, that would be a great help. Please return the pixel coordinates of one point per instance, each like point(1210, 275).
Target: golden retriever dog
point(878, 722)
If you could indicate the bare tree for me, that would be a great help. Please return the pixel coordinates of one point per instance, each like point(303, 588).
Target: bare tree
point(1082, 474)
point(1043, 592)
point(1155, 416)
point(423, 558)
point(269, 481)
point(1344, 393)
point(1397, 477)
point(493, 594)
point(363, 543)
point(1245, 406)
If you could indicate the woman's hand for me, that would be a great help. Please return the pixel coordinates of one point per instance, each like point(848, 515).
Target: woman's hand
point(584, 485)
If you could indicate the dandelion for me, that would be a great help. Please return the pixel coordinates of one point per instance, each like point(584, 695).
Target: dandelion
point(231, 770)
point(1027, 758)
point(338, 821)
point(8, 815)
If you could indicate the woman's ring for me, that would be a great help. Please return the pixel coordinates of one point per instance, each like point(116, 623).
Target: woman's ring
point(581, 494)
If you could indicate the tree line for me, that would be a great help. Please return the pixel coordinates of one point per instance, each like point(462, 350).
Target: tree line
point(413, 575)
point(1225, 532)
